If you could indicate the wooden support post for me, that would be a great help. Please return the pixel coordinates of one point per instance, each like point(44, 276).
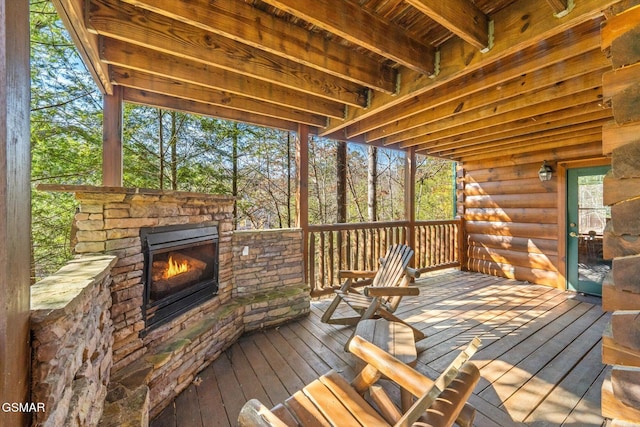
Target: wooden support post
point(112, 139)
point(15, 208)
point(302, 196)
point(410, 197)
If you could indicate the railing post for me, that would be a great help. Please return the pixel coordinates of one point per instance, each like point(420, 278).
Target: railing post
point(462, 244)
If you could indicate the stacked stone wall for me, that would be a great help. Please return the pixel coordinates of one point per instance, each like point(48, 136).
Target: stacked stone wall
point(268, 270)
point(72, 335)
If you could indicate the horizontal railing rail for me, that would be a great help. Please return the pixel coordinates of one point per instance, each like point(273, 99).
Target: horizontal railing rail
point(336, 247)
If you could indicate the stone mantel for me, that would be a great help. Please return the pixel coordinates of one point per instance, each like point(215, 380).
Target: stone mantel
point(92, 189)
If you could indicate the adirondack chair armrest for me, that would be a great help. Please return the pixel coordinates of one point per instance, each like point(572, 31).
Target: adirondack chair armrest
point(412, 272)
point(356, 274)
point(387, 365)
point(255, 414)
point(389, 291)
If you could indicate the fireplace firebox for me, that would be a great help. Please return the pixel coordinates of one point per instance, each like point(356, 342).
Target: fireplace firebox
point(181, 270)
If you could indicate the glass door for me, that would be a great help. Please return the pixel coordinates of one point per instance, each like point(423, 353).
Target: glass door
point(586, 219)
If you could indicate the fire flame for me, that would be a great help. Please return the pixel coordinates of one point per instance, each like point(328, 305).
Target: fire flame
point(176, 268)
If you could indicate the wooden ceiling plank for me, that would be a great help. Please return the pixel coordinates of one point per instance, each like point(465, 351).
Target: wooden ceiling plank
point(500, 93)
point(563, 133)
point(536, 100)
point(246, 24)
point(354, 24)
point(151, 99)
point(125, 22)
point(578, 141)
point(71, 14)
point(523, 122)
point(167, 86)
point(519, 133)
point(117, 52)
point(461, 17)
point(495, 124)
point(520, 26)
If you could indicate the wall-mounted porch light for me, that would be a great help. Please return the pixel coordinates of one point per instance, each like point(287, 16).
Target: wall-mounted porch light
point(545, 172)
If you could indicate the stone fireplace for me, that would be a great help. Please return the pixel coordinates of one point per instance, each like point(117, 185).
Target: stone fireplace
point(240, 281)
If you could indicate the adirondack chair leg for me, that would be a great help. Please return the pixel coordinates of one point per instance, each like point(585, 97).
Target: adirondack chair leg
point(417, 334)
point(329, 311)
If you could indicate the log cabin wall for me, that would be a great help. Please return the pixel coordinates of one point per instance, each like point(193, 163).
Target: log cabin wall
point(513, 220)
point(621, 290)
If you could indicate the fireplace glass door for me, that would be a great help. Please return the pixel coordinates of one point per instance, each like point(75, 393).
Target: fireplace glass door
point(181, 270)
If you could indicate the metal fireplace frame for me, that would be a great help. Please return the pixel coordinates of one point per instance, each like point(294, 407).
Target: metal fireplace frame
point(159, 240)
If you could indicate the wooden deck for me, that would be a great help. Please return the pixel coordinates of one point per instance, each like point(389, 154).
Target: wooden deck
point(540, 358)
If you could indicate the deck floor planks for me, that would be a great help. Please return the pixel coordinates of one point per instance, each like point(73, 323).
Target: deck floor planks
point(486, 318)
point(286, 374)
point(497, 368)
point(187, 408)
point(315, 362)
point(513, 319)
point(210, 399)
point(247, 377)
point(555, 409)
point(267, 377)
point(526, 397)
point(230, 389)
point(540, 355)
point(587, 412)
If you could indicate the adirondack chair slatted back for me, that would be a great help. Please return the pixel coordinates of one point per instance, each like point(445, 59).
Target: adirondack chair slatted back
point(391, 272)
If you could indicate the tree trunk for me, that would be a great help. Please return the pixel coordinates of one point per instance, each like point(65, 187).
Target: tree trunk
point(234, 177)
point(341, 188)
point(372, 184)
point(174, 151)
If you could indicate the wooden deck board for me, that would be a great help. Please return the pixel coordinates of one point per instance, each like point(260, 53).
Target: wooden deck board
point(540, 355)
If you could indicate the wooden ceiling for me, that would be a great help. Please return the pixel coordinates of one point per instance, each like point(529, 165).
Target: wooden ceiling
point(459, 79)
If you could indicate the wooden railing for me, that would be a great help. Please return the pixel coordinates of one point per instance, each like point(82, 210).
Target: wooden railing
point(336, 247)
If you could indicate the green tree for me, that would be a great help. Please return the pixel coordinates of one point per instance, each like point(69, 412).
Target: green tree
point(66, 138)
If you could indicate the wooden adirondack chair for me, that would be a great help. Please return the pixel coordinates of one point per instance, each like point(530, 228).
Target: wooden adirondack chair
point(381, 298)
point(332, 401)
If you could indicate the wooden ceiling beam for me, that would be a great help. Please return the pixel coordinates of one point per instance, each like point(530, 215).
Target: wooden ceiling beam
point(460, 90)
point(117, 52)
point(527, 83)
point(244, 23)
point(571, 91)
point(354, 24)
point(120, 21)
point(71, 14)
point(520, 26)
point(151, 99)
point(461, 17)
point(167, 86)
